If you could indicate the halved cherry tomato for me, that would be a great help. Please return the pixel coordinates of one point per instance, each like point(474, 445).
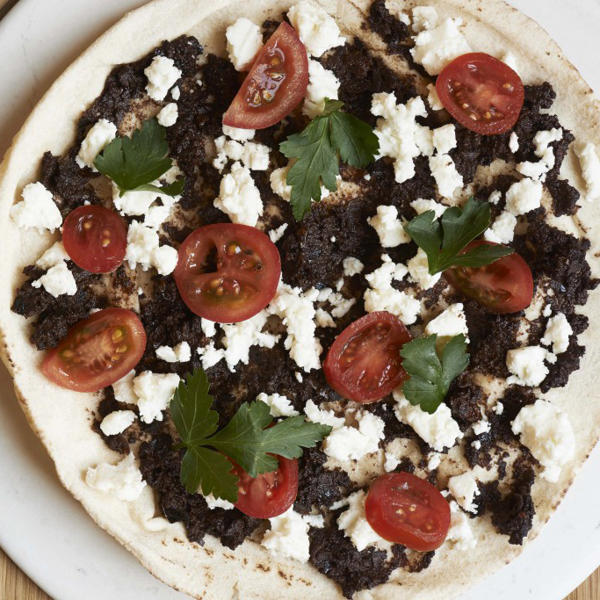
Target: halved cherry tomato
point(504, 286)
point(95, 238)
point(481, 92)
point(97, 351)
point(269, 494)
point(407, 510)
point(227, 273)
point(275, 85)
point(364, 362)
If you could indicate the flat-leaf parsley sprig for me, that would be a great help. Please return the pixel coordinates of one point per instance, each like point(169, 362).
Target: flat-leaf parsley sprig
point(430, 374)
point(317, 149)
point(247, 439)
point(444, 241)
point(134, 163)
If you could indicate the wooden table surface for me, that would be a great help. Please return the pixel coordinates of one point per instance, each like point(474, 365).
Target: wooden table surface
point(15, 585)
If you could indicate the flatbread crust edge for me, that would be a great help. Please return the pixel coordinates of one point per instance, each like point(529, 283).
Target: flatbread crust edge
point(62, 419)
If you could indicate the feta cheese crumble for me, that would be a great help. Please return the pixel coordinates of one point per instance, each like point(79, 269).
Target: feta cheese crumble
point(239, 197)
point(36, 209)
point(162, 75)
point(123, 480)
point(460, 534)
point(58, 280)
point(180, 353)
point(244, 40)
point(253, 156)
point(153, 393)
point(421, 205)
point(502, 230)
point(447, 178)
point(433, 99)
point(143, 248)
point(524, 196)
point(98, 137)
point(444, 139)
point(527, 365)
point(352, 266)
point(353, 522)
point(351, 443)
point(324, 417)
point(513, 142)
point(52, 256)
point(389, 227)
point(558, 332)
point(117, 422)
point(464, 488)
point(449, 323)
point(168, 115)
point(276, 234)
point(542, 140)
point(238, 134)
point(317, 29)
point(439, 429)
point(589, 161)
point(418, 268)
point(547, 432)
point(322, 84)
point(288, 536)
point(279, 405)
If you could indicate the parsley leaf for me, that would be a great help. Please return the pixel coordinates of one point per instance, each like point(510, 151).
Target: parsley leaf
point(443, 242)
point(317, 151)
point(134, 163)
point(430, 377)
point(248, 439)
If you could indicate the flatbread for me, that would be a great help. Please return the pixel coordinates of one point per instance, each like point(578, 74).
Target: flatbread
point(62, 419)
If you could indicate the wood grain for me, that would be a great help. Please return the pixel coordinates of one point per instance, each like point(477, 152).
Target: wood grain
point(15, 585)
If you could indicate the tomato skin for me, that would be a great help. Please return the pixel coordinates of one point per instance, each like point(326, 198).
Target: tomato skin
point(95, 238)
point(407, 510)
point(481, 92)
point(280, 70)
point(363, 363)
point(83, 361)
point(269, 494)
point(504, 286)
point(242, 260)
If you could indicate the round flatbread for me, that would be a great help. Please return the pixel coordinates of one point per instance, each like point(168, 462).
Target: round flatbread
point(62, 419)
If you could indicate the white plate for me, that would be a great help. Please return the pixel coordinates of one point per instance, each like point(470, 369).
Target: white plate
point(46, 532)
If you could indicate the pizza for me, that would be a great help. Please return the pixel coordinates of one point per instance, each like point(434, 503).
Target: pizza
point(301, 295)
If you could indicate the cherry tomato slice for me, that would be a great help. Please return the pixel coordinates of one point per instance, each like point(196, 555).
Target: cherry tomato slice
point(364, 362)
point(95, 238)
point(97, 351)
point(481, 92)
point(408, 510)
point(504, 286)
point(227, 273)
point(269, 494)
point(276, 83)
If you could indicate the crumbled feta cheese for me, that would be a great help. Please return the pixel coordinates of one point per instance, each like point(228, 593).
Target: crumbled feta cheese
point(168, 115)
point(421, 205)
point(424, 17)
point(298, 314)
point(502, 230)
point(352, 266)
point(153, 392)
point(382, 296)
point(58, 280)
point(323, 318)
point(143, 249)
point(548, 434)
point(238, 134)
point(117, 422)
point(340, 305)
point(322, 84)
point(210, 356)
point(244, 40)
point(253, 156)
point(180, 353)
point(122, 480)
point(460, 534)
point(435, 459)
point(317, 29)
point(239, 197)
point(155, 207)
point(279, 405)
point(542, 140)
point(390, 463)
point(176, 93)
point(288, 536)
point(438, 45)
point(513, 142)
point(449, 323)
point(547, 310)
point(324, 417)
point(433, 99)
point(400, 136)
point(444, 139)
point(464, 488)
point(213, 503)
point(476, 444)
point(98, 137)
point(558, 332)
point(418, 268)
point(36, 209)
point(353, 522)
point(52, 256)
point(589, 161)
point(498, 408)
point(481, 426)
point(316, 521)
point(524, 196)
point(349, 443)
point(495, 197)
point(276, 234)
point(162, 75)
point(389, 227)
point(299, 377)
point(208, 327)
point(439, 429)
point(123, 389)
point(527, 365)
point(447, 178)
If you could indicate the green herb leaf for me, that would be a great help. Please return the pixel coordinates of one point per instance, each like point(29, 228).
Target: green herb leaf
point(317, 151)
point(430, 377)
point(443, 242)
point(247, 439)
point(134, 163)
